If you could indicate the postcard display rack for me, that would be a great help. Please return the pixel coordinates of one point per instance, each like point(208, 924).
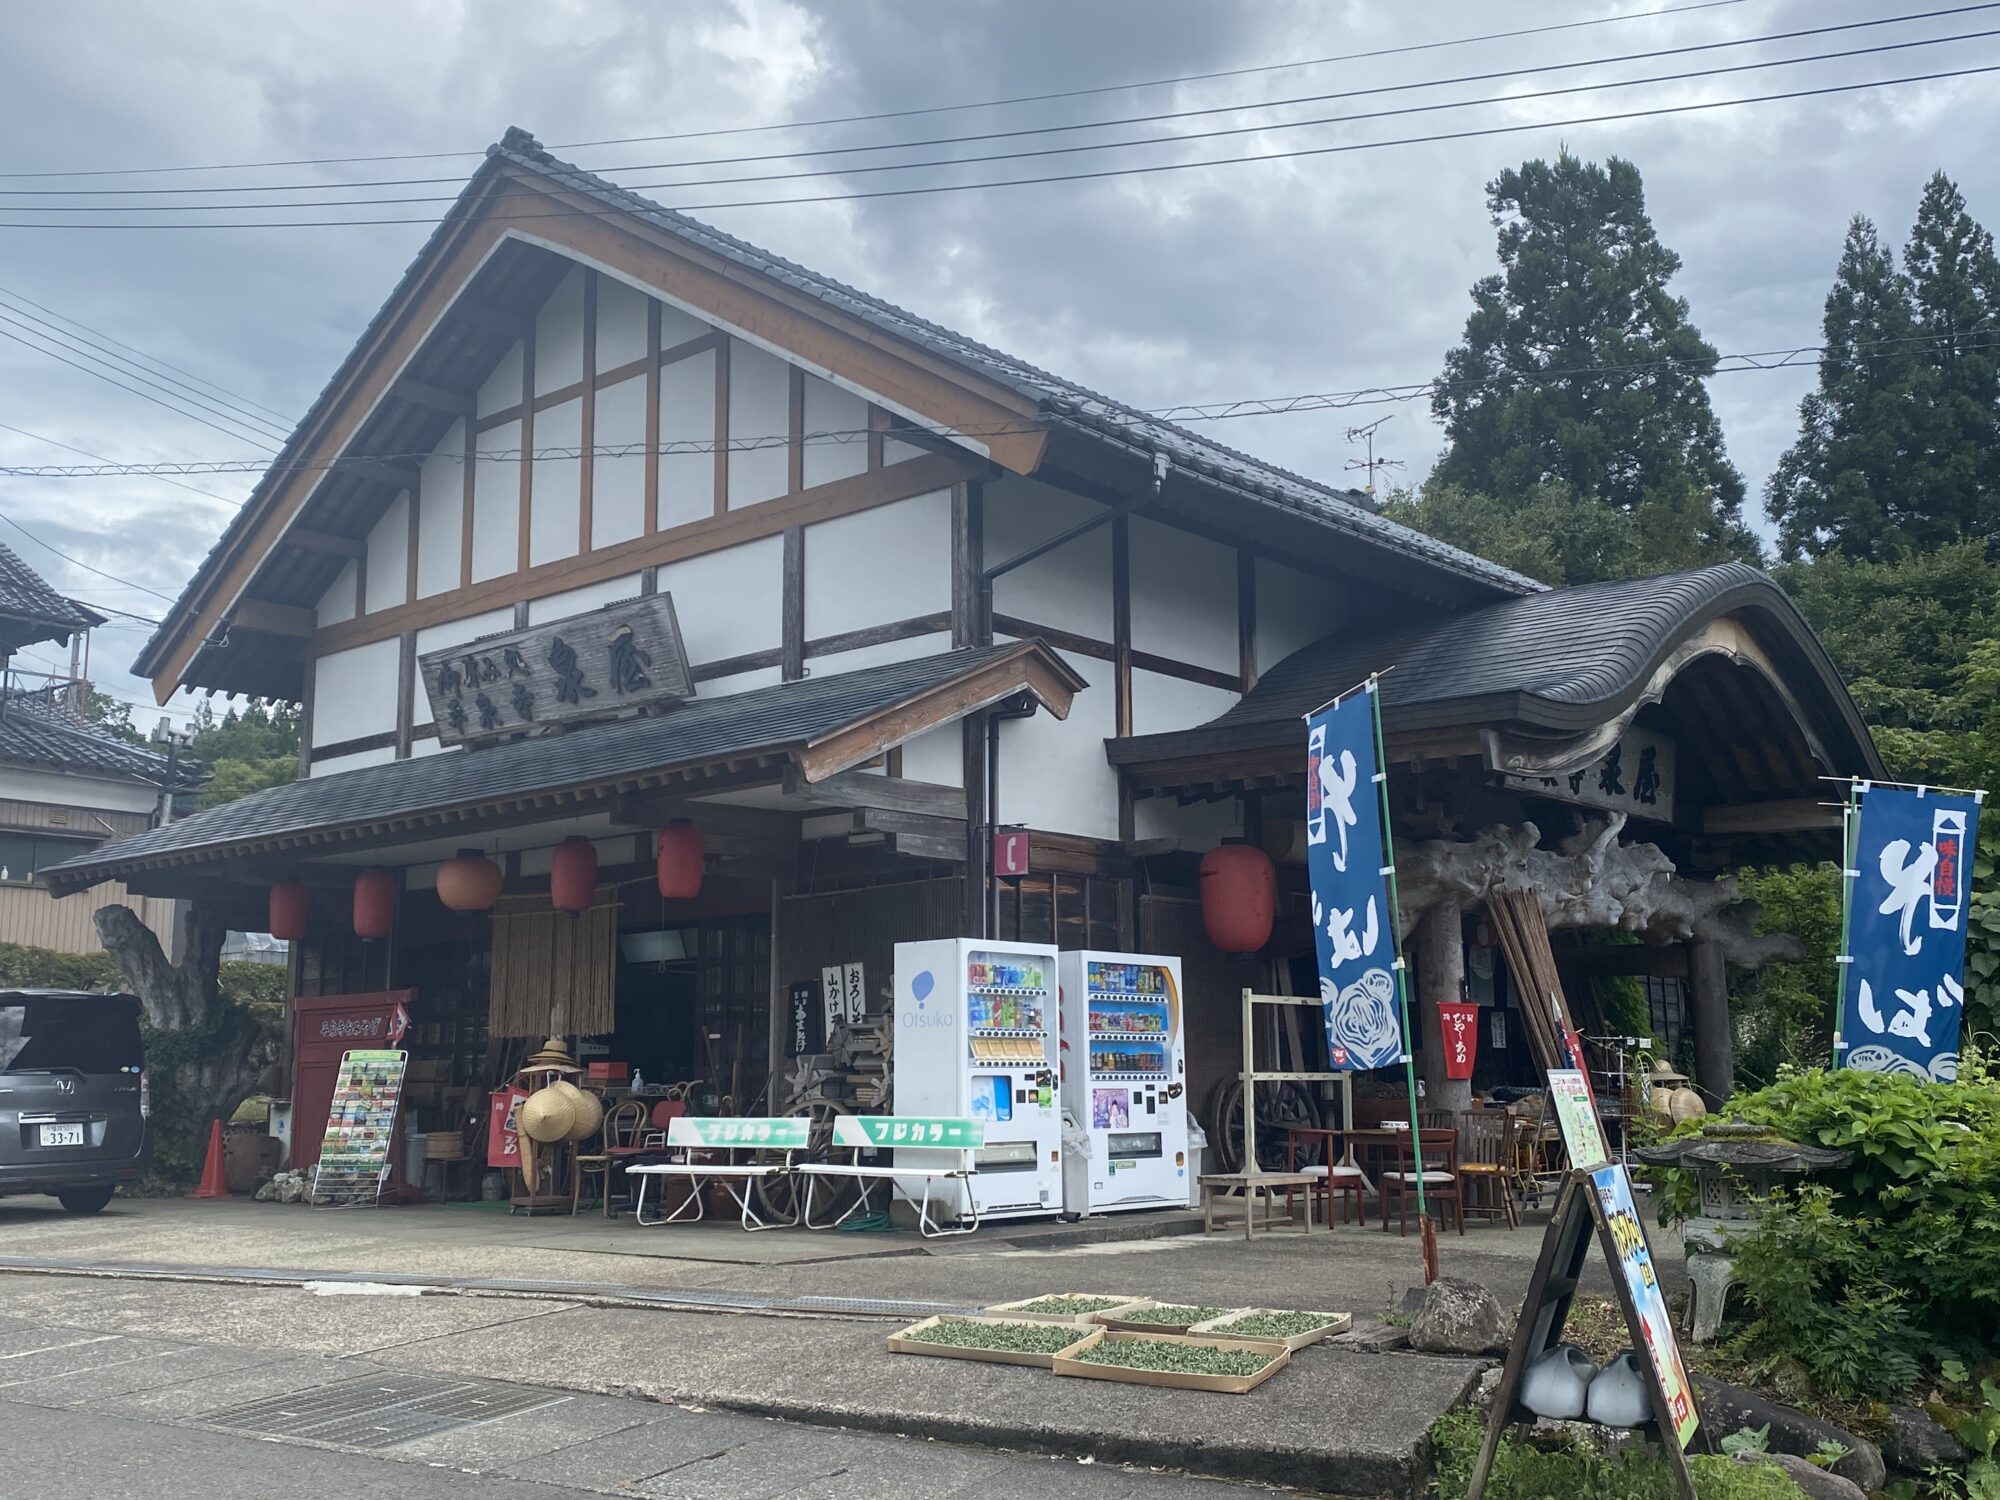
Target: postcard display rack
point(1124, 1080)
point(976, 1039)
point(355, 1153)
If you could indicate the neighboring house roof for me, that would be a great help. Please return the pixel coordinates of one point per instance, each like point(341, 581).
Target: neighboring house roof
point(1562, 662)
point(35, 733)
point(791, 720)
point(31, 611)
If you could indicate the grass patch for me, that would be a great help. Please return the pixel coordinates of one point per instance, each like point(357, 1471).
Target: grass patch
point(1575, 1471)
point(1176, 1359)
point(1013, 1338)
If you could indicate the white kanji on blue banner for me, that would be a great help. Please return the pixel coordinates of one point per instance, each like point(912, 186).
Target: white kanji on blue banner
point(1903, 991)
point(1346, 855)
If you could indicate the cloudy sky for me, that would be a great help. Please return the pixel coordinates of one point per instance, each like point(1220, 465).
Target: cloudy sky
point(1316, 273)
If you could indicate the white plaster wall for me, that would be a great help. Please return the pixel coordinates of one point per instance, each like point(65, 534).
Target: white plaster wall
point(1069, 588)
point(727, 602)
point(888, 563)
point(1294, 609)
point(618, 484)
point(760, 404)
point(829, 409)
point(1161, 703)
point(496, 505)
point(354, 692)
point(1198, 826)
point(621, 323)
point(1183, 596)
point(428, 744)
point(335, 764)
point(554, 506)
point(677, 325)
point(936, 755)
point(23, 784)
point(458, 632)
point(389, 557)
point(559, 335)
point(1053, 774)
point(441, 516)
point(740, 682)
point(687, 415)
point(896, 451)
point(503, 387)
point(836, 662)
point(576, 601)
point(337, 603)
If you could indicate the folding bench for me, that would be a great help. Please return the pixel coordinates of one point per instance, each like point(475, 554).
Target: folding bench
point(943, 1150)
point(733, 1139)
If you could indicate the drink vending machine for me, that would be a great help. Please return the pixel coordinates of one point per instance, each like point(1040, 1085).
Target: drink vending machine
point(976, 1038)
point(1124, 1078)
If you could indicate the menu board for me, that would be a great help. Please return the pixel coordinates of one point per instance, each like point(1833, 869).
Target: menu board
point(1569, 1092)
point(360, 1126)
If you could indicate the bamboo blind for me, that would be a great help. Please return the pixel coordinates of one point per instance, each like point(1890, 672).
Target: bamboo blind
point(553, 974)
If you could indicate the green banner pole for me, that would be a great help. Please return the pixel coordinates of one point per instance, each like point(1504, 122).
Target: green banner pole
point(1850, 851)
point(1396, 937)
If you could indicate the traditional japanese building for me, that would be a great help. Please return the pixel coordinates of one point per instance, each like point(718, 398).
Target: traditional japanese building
point(613, 528)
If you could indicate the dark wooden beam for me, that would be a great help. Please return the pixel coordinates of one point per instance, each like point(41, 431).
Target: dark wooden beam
point(423, 393)
point(307, 540)
point(884, 793)
point(271, 618)
point(1791, 815)
point(493, 317)
point(792, 605)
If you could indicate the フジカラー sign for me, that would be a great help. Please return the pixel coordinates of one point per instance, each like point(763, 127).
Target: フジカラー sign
point(1903, 980)
point(1346, 860)
point(589, 666)
point(1635, 1264)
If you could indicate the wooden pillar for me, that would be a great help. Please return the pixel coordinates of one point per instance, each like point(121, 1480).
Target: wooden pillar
point(1440, 977)
point(1714, 1049)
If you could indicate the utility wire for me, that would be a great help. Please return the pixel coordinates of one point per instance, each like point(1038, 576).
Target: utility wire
point(78, 562)
point(1001, 135)
point(253, 437)
point(900, 114)
point(152, 359)
point(1656, 112)
point(72, 448)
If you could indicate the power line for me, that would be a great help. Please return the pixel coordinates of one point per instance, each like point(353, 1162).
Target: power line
point(1654, 112)
point(899, 114)
point(80, 563)
point(1015, 134)
point(142, 395)
point(72, 448)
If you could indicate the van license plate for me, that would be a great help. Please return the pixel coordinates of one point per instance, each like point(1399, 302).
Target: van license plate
point(62, 1135)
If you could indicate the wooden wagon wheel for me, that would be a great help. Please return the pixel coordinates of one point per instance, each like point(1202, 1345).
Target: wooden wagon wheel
point(779, 1197)
point(1278, 1106)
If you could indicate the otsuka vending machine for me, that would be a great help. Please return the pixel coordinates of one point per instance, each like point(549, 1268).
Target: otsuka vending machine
point(1124, 1078)
point(976, 1039)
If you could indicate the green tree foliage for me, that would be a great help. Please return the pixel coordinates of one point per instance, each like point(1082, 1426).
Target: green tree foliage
point(108, 714)
point(245, 751)
point(1583, 289)
point(1549, 532)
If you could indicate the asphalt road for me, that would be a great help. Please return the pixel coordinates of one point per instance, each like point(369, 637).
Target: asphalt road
point(86, 1412)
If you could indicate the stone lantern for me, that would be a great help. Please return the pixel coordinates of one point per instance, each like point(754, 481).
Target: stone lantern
point(1737, 1166)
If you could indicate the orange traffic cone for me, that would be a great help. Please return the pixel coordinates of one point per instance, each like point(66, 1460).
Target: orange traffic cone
point(212, 1184)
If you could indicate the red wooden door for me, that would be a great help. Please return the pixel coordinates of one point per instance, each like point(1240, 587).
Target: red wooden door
point(324, 1027)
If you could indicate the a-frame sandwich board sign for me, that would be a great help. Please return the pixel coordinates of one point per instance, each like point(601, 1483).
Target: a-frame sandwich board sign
point(1598, 1205)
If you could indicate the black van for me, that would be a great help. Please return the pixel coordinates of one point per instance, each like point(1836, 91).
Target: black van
point(73, 1100)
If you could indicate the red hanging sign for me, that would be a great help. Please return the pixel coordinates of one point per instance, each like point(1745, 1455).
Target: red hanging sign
point(503, 1141)
point(1460, 1024)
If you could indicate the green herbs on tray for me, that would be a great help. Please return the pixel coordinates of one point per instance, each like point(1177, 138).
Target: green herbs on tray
point(1070, 1302)
point(1175, 1359)
point(1277, 1325)
point(1012, 1338)
point(1171, 1315)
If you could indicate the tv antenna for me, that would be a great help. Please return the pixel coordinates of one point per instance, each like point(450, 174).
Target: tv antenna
point(1371, 464)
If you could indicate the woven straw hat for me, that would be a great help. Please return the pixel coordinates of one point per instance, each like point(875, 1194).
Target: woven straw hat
point(553, 1056)
point(549, 1114)
point(588, 1109)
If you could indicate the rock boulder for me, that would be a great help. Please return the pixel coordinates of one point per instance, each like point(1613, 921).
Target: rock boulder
point(1458, 1317)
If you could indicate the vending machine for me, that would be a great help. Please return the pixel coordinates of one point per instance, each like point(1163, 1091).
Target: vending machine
point(1124, 1079)
point(976, 1038)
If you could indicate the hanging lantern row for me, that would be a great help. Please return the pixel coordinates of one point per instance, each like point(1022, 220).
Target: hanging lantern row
point(1239, 896)
point(573, 876)
point(468, 881)
point(374, 904)
point(677, 866)
point(287, 919)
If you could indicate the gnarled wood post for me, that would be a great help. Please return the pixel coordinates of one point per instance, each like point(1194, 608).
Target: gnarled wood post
point(1440, 975)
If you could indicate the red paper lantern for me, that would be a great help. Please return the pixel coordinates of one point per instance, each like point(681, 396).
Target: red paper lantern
point(573, 876)
point(1239, 896)
point(678, 864)
point(289, 903)
point(468, 882)
point(374, 904)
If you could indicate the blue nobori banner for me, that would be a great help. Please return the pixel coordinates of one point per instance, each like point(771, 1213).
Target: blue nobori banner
point(1902, 989)
point(1347, 859)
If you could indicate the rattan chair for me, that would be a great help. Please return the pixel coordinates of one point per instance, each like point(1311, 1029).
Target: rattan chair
point(1487, 1162)
point(622, 1122)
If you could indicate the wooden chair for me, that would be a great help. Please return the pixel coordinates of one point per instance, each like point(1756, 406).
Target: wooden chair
point(622, 1123)
point(1437, 1150)
point(1487, 1162)
point(1334, 1177)
point(648, 1141)
point(1436, 1119)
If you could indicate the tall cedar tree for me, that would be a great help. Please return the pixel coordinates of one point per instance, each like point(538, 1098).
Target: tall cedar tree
point(1955, 283)
point(1583, 289)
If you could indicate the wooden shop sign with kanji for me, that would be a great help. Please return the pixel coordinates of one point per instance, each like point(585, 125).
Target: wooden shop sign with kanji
point(1635, 776)
point(589, 666)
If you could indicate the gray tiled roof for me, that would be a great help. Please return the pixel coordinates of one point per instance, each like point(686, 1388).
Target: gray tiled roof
point(31, 611)
point(792, 713)
point(33, 733)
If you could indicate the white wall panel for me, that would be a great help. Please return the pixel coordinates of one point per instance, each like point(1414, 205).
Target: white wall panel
point(880, 654)
point(554, 509)
point(1294, 609)
point(441, 517)
point(1069, 588)
point(727, 602)
point(896, 451)
point(458, 632)
point(337, 603)
point(829, 409)
point(1053, 774)
point(678, 326)
point(496, 505)
point(389, 557)
point(687, 415)
point(559, 335)
point(888, 563)
point(576, 601)
point(740, 682)
point(1161, 703)
point(333, 765)
point(503, 387)
point(354, 692)
point(621, 323)
point(618, 485)
point(936, 755)
point(1183, 596)
point(1199, 826)
point(428, 744)
point(760, 406)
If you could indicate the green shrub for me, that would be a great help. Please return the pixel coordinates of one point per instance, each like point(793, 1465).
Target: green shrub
point(1575, 1471)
